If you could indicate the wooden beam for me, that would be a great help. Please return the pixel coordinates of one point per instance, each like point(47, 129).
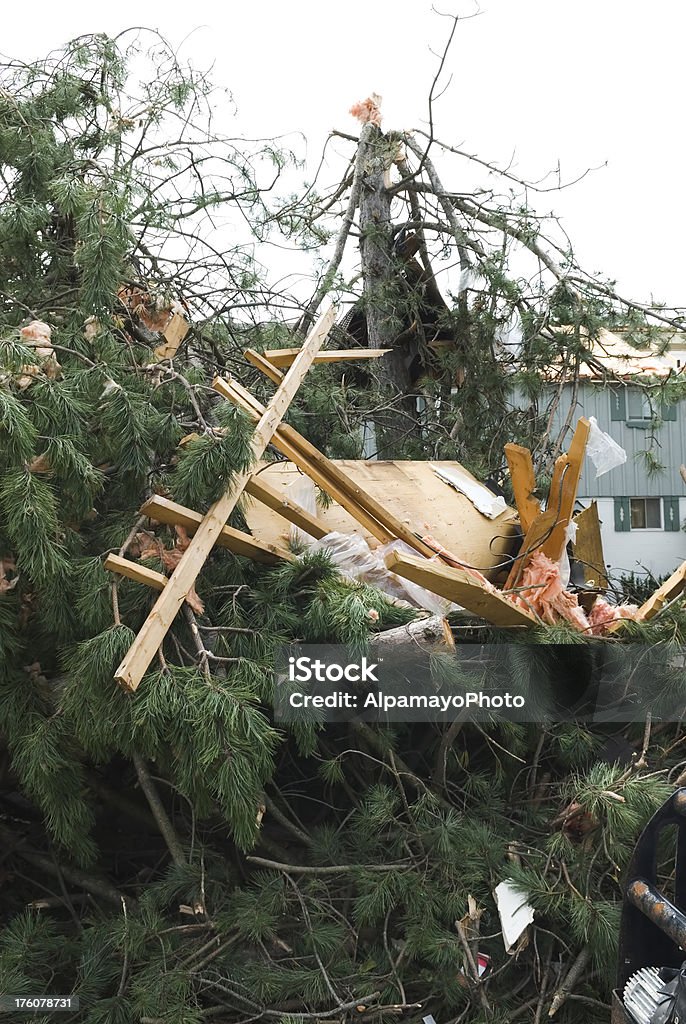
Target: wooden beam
point(135, 571)
point(461, 587)
point(588, 547)
point(263, 365)
point(523, 483)
point(555, 544)
point(555, 491)
point(290, 510)
point(154, 629)
point(281, 357)
point(669, 590)
point(165, 511)
point(537, 534)
point(365, 509)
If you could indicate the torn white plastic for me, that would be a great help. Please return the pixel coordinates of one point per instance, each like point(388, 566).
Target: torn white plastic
point(565, 567)
point(603, 450)
point(516, 914)
point(352, 555)
point(302, 492)
point(485, 501)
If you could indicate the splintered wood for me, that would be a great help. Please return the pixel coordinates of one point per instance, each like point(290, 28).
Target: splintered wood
point(462, 587)
point(155, 628)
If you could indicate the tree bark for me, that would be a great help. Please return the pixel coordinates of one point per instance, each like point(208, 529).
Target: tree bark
point(431, 632)
point(383, 294)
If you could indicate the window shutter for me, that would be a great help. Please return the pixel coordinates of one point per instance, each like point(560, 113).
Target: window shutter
point(622, 515)
point(671, 514)
point(617, 404)
point(668, 411)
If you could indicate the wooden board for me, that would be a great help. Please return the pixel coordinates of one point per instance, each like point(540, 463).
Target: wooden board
point(173, 334)
point(414, 494)
point(154, 629)
point(135, 571)
point(555, 544)
point(523, 483)
point(458, 586)
point(670, 589)
point(263, 364)
point(290, 510)
point(555, 492)
point(588, 547)
point(162, 510)
point(281, 357)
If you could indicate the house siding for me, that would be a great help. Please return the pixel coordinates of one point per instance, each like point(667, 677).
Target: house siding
point(655, 551)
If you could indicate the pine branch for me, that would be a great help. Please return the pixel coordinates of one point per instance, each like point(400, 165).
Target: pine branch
point(161, 817)
point(338, 869)
point(573, 976)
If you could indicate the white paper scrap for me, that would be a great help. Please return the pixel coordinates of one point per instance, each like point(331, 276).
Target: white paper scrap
point(515, 913)
point(485, 501)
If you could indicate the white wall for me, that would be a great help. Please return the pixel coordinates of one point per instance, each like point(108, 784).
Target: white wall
point(658, 551)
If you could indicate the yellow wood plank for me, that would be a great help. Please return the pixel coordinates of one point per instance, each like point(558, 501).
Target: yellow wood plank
point(154, 629)
point(135, 571)
point(461, 587)
point(290, 510)
point(173, 334)
point(555, 544)
point(281, 357)
point(165, 511)
point(670, 589)
point(523, 483)
point(264, 365)
point(555, 492)
point(588, 547)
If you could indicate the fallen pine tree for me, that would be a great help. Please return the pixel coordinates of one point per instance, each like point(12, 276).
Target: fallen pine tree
point(177, 854)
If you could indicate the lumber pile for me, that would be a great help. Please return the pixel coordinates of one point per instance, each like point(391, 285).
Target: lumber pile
point(434, 524)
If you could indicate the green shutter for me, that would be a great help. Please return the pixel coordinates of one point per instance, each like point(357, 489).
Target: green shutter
point(617, 404)
point(668, 411)
point(671, 513)
point(622, 515)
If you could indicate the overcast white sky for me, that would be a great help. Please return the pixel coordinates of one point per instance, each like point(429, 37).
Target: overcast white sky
point(581, 82)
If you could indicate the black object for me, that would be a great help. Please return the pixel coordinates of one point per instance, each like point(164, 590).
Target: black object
point(653, 929)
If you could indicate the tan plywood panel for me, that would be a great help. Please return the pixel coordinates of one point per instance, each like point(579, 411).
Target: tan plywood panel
point(414, 494)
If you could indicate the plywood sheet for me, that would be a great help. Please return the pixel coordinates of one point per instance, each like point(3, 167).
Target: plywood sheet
point(413, 493)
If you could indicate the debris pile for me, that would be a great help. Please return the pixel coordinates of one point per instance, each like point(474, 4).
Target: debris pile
point(427, 533)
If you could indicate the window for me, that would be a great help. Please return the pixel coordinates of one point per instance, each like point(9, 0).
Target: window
point(647, 514)
point(635, 407)
point(638, 405)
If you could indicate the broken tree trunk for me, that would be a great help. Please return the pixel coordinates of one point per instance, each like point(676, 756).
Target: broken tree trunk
point(383, 291)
